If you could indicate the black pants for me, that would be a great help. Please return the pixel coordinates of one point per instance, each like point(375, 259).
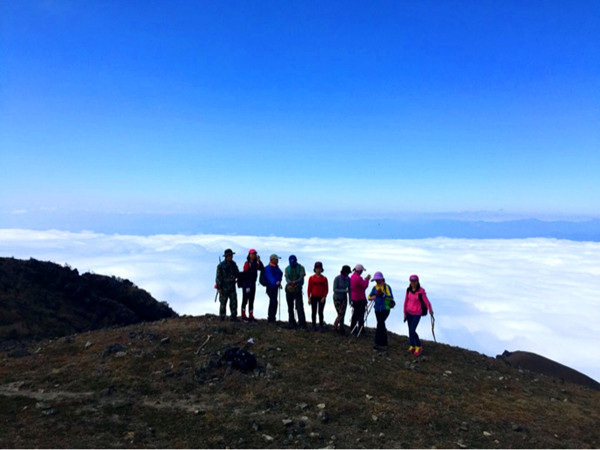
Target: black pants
point(315, 303)
point(273, 303)
point(381, 337)
point(295, 297)
point(248, 299)
point(358, 316)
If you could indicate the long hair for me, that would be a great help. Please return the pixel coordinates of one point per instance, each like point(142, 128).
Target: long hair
point(409, 288)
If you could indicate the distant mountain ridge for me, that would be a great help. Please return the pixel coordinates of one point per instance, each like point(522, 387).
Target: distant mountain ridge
point(43, 299)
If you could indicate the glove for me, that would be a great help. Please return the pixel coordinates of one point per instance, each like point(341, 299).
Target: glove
point(392, 304)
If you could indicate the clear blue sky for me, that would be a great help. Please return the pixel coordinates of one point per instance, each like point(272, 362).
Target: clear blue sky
point(313, 107)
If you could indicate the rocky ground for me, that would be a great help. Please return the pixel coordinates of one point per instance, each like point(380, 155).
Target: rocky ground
point(163, 384)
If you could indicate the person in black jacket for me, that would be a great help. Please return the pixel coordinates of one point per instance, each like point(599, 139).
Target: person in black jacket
point(248, 283)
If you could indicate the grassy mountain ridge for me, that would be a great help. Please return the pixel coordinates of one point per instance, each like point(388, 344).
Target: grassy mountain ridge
point(42, 299)
point(162, 384)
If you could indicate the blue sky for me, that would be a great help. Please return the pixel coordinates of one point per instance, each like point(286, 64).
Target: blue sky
point(300, 108)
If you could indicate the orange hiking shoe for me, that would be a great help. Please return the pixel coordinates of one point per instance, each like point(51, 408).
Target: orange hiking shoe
point(418, 351)
point(411, 349)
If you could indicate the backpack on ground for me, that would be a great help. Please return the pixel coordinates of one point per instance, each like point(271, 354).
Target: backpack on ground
point(240, 359)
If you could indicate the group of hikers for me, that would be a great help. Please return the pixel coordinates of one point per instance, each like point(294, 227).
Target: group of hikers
point(347, 291)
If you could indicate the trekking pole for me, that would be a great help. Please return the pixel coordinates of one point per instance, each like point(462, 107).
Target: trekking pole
point(279, 302)
point(432, 328)
point(217, 287)
point(366, 317)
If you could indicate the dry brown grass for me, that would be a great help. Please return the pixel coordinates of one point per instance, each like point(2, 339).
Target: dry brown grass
point(130, 389)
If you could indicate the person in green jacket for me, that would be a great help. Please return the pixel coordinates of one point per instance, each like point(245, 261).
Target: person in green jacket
point(341, 296)
point(227, 274)
point(294, 277)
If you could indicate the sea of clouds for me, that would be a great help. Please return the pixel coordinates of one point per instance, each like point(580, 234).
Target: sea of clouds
point(539, 294)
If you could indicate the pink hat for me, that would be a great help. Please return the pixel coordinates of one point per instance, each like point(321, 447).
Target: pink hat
point(359, 268)
point(414, 278)
point(251, 251)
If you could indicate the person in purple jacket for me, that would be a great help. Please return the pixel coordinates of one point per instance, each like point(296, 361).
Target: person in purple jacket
point(413, 310)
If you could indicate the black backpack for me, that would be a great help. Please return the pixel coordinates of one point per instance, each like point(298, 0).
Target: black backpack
point(262, 279)
point(240, 359)
point(423, 306)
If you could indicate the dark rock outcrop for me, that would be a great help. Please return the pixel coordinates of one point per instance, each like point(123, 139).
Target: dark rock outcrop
point(539, 364)
point(43, 299)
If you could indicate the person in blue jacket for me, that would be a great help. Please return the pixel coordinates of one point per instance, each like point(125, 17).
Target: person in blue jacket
point(273, 276)
point(384, 302)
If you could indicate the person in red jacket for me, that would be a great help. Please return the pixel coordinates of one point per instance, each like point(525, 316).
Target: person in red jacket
point(318, 288)
point(413, 310)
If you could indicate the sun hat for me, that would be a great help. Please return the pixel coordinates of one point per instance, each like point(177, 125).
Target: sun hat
point(319, 264)
point(378, 276)
point(228, 252)
point(346, 270)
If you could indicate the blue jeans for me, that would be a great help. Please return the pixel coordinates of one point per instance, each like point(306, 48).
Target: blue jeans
point(413, 323)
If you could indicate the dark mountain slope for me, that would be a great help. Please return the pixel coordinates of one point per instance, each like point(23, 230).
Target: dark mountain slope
point(42, 299)
point(162, 384)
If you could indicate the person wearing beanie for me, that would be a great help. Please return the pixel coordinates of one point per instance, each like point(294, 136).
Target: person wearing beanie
point(341, 294)
point(273, 276)
point(382, 295)
point(358, 299)
point(227, 274)
point(252, 265)
point(294, 278)
point(318, 288)
point(416, 304)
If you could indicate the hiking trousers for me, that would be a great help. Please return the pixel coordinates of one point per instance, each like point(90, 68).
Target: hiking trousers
point(317, 305)
point(273, 303)
point(291, 298)
point(413, 323)
point(358, 315)
point(340, 307)
point(248, 298)
point(381, 336)
point(231, 295)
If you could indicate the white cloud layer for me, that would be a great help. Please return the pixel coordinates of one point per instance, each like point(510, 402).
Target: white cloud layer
point(538, 295)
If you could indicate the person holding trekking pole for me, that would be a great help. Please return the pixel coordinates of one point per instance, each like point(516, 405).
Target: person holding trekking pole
point(318, 288)
point(341, 294)
point(273, 276)
point(227, 274)
point(358, 299)
point(382, 295)
point(416, 304)
point(294, 278)
point(252, 265)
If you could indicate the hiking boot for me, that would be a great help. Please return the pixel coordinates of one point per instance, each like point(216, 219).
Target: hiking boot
point(251, 317)
point(411, 349)
point(418, 351)
point(234, 319)
point(244, 318)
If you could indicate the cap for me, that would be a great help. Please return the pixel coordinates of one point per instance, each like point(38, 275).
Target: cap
point(318, 264)
point(359, 268)
point(228, 252)
point(378, 276)
point(274, 256)
point(414, 278)
point(251, 251)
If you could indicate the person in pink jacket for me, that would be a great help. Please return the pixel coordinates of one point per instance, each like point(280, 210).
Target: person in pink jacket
point(415, 300)
point(358, 299)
